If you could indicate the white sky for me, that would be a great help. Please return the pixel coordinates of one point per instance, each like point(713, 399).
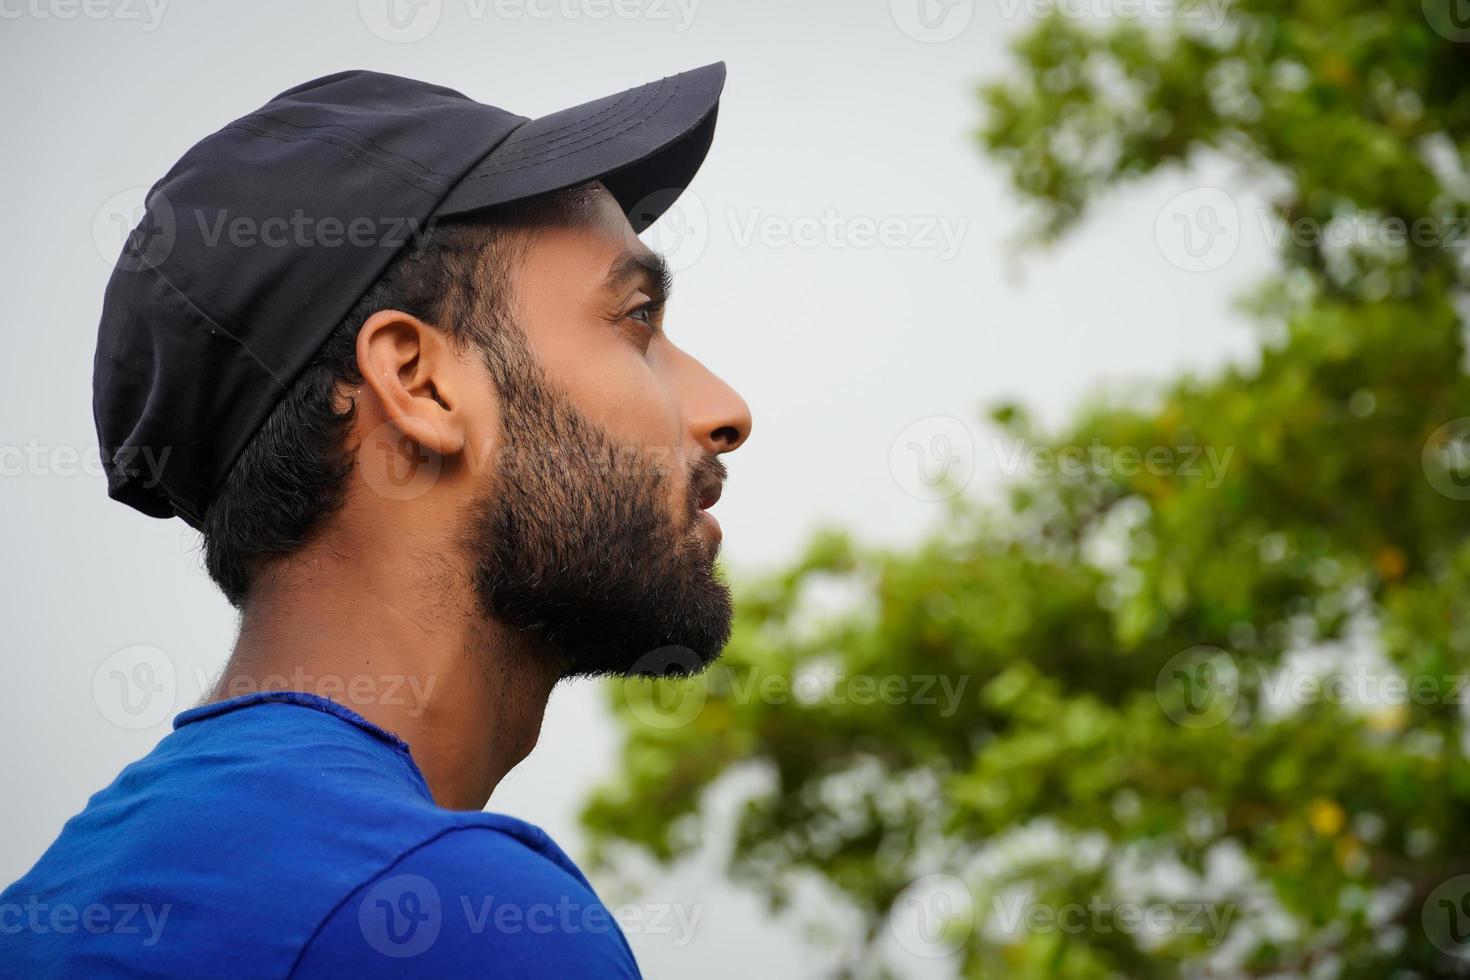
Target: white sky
point(831, 114)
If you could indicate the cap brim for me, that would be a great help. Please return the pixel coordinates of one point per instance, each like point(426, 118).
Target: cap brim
point(645, 145)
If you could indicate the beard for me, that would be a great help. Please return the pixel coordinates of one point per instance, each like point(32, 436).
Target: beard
point(576, 548)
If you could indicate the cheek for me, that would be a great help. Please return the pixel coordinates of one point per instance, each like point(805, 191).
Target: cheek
point(619, 388)
point(625, 395)
point(634, 410)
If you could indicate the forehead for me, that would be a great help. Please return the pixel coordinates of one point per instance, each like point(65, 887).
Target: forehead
point(583, 241)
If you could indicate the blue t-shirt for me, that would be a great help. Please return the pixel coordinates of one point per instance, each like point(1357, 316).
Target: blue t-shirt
point(280, 834)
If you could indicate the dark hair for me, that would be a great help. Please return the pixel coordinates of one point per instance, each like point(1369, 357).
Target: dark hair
point(289, 477)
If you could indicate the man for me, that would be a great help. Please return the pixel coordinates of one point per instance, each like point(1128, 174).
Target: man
point(400, 358)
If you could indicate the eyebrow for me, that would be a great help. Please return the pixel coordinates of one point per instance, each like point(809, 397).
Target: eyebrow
point(648, 266)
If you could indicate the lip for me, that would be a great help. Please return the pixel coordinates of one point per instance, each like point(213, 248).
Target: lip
point(708, 485)
point(710, 496)
point(711, 525)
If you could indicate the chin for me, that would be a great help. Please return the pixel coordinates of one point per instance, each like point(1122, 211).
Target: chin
point(698, 638)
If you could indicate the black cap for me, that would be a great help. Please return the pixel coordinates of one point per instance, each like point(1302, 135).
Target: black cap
point(265, 234)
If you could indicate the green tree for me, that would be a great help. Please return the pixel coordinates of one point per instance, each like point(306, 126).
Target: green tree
point(1096, 752)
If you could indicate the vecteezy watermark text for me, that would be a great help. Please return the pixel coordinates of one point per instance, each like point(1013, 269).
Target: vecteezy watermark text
point(407, 21)
point(1200, 687)
point(403, 915)
point(941, 234)
point(1204, 463)
point(1097, 916)
point(38, 459)
point(676, 705)
point(935, 916)
point(410, 691)
point(301, 230)
point(64, 918)
point(1209, 13)
point(148, 12)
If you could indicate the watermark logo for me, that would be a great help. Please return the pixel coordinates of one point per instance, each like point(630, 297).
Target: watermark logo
point(932, 21)
point(1446, 917)
point(401, 915)
point(1446, 459)
point(1198, 230)
point(680, 230)
point(134, 232)
point(395, 465)
point(933, 917)
point(1450, 19)
point(400, 21)
point(136, 688)
point(1199, 687)
point(665, 688)
point(934, 458)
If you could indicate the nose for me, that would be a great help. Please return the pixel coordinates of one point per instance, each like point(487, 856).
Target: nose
point(718, 418)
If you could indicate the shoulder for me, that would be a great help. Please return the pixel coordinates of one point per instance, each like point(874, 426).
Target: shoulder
point(493, 898)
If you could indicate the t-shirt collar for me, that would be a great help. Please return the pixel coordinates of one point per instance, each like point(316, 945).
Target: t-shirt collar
point(301, 698)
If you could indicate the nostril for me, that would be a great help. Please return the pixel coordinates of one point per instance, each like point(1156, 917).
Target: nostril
point(727, 434)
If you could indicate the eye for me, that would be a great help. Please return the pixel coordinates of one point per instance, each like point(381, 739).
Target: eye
point(645, 314)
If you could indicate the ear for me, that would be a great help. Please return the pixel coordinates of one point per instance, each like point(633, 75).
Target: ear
point(411, 370)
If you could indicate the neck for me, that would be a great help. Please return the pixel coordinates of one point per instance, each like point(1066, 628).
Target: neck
point(401, 642)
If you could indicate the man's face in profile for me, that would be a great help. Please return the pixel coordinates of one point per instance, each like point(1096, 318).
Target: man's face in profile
point(592, 532)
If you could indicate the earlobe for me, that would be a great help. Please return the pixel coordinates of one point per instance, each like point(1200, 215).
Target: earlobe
point(406, 367)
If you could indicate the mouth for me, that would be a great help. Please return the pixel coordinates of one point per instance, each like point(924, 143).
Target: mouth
point(706, 493)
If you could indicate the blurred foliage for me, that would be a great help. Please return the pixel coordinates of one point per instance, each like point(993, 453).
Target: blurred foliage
point(1332, 527)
